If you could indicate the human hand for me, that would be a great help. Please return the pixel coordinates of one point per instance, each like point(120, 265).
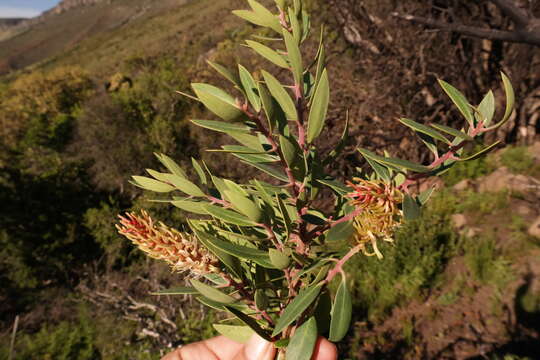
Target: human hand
point(222, 348)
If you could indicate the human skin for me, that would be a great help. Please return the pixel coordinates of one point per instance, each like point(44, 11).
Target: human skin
point(222, 348)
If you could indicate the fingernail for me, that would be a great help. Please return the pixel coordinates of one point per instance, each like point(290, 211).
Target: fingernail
point(259, 349)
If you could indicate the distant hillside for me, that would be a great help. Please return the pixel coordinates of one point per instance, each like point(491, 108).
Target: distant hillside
point(10, 22)
point(70, 22)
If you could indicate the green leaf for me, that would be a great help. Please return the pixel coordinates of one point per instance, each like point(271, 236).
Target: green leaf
point(158, 175)
point(321, 57)
point(171, 165)
point(249, 321)
point(240, 334)
point(185, 186)
point(217, 101)
point(322, 312)
point(341, 313)
point(481, 152)
point(268, 106)
point(196, 207)
point(282, 343)
point(280, 94)
point(253, 18)
point(284, 214)
point(199, 170)
point(182, 290)
point(510, 99)
point(382, 172)
point(279, 259)
point(212, 293)
point(229, 261)
point(459, 100)
point(289, 149)
point(261, 299)
point(268, 53)
point(243, 252)
point(300, 303)
point(424, 129)
point(452, 131)
point(411, 210)
point(243, 204)
point(249, 86)
point(295, 58)
point(248, 140)
point(222, 126)
point(151, 184)
point(265, 16)
point(303, 341)
point(335, 185)
point(228, 216)
point(306, 25)
point(270, 170)
point(403, 164)
point(340, 232)
point(425, 195)
point(295, 26)
point(486, 108)
point(319, 107)
point(226, 73)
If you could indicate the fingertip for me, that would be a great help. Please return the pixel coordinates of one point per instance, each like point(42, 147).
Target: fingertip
point(258, 349)
point(324, 350)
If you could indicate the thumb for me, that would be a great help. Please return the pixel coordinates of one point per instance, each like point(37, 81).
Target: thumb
point(257, 349)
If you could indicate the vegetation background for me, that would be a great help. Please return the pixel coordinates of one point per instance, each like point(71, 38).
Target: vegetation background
point(87, 93)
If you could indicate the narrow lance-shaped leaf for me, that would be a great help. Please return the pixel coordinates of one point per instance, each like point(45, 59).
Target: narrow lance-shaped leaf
point(185, 186)
point(244, 205)
point(265, 15)
point(424, 129)
point(295, 58)
point(228, 216)
point(268, 53)
point(196, 207)
point(249, 321)
point(481, 152)
point(341, 313)
point(487, 108)
point(300, 303)
point(399, 163)
point(151, 184)
point(212, 293)
point(240, 334)
point(280, 94)
point(411, 210)
point(199, 170)
point(171, 165)
point(303, 341)
point(459, 100)
point(217, 101)
point(452, 131)
point(319, 108)
point(249, 86)
point(226, 73)
point(222, 126)
point(510, 99)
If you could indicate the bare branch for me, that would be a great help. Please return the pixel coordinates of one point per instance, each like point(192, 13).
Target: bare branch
point(510, 9)
point(516, 36)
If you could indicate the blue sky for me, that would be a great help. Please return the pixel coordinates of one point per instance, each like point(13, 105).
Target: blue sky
point(24, 8)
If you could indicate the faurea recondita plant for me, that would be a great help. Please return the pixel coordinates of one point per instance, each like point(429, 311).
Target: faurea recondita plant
point(263, 251)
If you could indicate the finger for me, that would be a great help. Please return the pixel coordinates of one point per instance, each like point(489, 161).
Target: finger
point(324, 350)
point(257, 349)
point(217, 348)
